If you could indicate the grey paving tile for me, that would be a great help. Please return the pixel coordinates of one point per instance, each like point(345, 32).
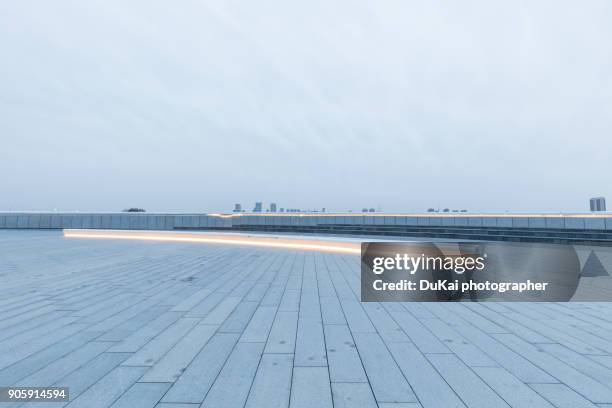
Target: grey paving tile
point(430, 387)
point(141, 337)
point(310, 388)
point(386, 327)
point(220, 313)
point(272, 384)
point(170, 367)
point(260, 325)
point(85, 377)
point(273, 296)
point(290, 301)
point(135, 323)
point(125, 314)
point(582, 363)
point(344, 361)
point(470, 354)
point(203, 308)
point(141, 395)
point(606, 361)
point(108, 389)
point(257, 292)
point(356, 317)
point(42, 358)
point(585, 385)
point(239, 318)
point(24, 350)
point(23, 315)
point(192, 301)
point(195, 382)
point(26, 325)
point(565, 337)
point(39, 331)
point(475, 392)
point(283, 333)
point(353, 395)
point(425, 340)
point(511, 325)
point(488, 326)
point(562, 396)
point(516, 393)
point(232, 386)
point(63, 366)
point(155, 349)
point(511, 360)
point(331, 310)
point(310, 343)
point(387, 381)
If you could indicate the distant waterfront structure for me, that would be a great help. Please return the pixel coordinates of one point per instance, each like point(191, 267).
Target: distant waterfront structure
point(282, 209)
point(372, 210)
point(272, 207)
point(237, 207)
point(364, 210)
point(134, 209)
point(258, 207)
point(598, 204)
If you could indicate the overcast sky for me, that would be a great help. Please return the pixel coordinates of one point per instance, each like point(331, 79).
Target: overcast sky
point(196, 105)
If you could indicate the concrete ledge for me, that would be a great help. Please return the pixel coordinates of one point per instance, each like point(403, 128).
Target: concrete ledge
point(519, 227)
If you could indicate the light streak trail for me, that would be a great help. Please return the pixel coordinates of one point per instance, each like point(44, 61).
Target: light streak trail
point(352, 248)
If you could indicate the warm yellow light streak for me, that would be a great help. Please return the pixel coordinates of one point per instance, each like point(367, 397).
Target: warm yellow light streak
point(280, 242)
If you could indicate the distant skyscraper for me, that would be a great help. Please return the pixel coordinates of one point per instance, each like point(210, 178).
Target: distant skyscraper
point(272, 207)
point(237, 207)
point(598, 204)
point(258, 207)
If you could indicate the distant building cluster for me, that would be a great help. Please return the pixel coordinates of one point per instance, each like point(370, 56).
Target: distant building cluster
point(445, 210)
point(134, 209)
point(595, 204)
point(273, 208)
point(598, 204)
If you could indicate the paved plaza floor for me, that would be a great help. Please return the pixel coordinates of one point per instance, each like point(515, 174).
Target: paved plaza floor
point(175, 325)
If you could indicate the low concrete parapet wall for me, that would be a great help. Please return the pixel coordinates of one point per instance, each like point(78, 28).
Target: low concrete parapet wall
point(593, 228)
point(545, 221)
point(125, 221)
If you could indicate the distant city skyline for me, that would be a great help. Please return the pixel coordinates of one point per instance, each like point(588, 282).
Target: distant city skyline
point(489, 106)
point(590, 205)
